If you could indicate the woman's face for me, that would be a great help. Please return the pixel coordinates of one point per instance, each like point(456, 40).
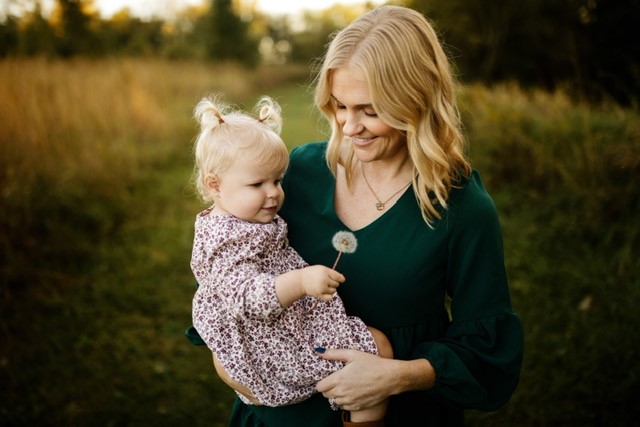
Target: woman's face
point(372, 138)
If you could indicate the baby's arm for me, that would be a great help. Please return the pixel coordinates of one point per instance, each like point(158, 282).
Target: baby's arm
point(317, 281)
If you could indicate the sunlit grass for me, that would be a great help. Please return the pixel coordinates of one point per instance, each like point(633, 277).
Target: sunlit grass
point(97, 217)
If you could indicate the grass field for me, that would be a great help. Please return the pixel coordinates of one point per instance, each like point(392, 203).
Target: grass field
point(102, 343)
point(96, 228)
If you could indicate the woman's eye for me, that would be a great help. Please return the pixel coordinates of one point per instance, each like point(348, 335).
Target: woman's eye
point(370, 113)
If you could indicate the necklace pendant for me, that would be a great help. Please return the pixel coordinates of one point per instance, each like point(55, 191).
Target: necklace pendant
point(380, 206)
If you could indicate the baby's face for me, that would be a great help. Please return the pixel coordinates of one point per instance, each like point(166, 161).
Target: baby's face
point(251, 191)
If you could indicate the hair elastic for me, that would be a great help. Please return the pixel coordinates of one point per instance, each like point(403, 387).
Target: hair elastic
point(217, 114)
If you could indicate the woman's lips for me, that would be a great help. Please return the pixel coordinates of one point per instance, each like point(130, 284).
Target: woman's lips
point(362, 141)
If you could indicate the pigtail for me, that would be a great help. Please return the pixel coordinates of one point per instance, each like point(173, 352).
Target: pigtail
point(209, 113)
point(269, 113)
point(227, 134)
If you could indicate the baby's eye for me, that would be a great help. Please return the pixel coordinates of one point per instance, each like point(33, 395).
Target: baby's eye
point(256, 184)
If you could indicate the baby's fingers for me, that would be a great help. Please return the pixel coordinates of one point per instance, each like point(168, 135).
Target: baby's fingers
point(336, 277)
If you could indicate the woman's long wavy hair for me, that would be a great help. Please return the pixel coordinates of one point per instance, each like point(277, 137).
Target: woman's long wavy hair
point(412, 89)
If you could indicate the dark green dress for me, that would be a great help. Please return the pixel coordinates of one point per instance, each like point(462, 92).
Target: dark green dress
point(396, 282)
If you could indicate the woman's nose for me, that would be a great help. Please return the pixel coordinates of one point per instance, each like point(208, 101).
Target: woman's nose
point(352, 125)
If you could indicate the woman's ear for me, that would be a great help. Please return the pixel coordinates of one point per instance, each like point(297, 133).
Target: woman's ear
point(212, 182)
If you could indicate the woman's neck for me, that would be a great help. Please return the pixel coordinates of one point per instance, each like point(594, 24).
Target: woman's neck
point(389, 169)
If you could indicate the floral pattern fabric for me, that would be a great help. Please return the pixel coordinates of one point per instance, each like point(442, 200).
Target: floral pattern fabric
point(264, 346)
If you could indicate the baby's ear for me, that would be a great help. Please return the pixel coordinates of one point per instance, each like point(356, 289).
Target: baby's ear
point(212, 182)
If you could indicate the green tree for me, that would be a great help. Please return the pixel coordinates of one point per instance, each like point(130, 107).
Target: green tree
point(612, 51)
point(129, 35)
point(37, 36)
point(181, 37)
point(76, 37)
point(9, 35)
point(229, 37)
point(317, 27)
point(589, 46)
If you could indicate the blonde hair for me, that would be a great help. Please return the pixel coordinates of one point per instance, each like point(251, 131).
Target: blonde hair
point(227, 134)
point(412, 89)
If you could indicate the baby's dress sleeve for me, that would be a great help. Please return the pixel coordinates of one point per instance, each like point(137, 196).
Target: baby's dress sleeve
point(225, 261)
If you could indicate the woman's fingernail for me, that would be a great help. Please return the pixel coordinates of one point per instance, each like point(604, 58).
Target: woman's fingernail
point(320, 349)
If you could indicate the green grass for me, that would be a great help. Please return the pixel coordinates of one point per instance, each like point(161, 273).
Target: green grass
point(101, 343)
point(302, 122)
point(110, 349)
point(104, 344)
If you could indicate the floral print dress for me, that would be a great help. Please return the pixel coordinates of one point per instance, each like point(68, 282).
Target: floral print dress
point(262, 345)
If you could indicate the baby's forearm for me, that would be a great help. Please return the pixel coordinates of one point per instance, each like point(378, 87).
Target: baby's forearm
point(289, 288)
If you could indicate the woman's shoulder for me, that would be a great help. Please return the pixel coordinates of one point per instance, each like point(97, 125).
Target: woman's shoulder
point(471, 201)
point(308, 165)
point(471, 191)
point(309, 152)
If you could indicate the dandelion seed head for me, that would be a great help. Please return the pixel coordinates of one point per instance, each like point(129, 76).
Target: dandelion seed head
point(345, 241)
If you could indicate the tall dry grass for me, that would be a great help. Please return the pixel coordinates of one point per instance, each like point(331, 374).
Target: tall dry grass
point(86, 146)
point(95, 288)
point(74, 137)
point(60, 119)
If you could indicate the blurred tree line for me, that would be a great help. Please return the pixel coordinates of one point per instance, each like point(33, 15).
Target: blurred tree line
point(587, 47)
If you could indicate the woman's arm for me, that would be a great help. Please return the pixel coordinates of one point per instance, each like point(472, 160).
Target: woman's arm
point(367, 379)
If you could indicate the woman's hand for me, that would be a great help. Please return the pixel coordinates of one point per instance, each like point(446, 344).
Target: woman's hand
point(367, 380)
point(224, 376)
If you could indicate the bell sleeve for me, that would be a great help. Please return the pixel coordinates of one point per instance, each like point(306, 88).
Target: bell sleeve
point(478, 360)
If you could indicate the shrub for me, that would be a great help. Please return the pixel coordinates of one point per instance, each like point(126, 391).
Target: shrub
point(564, 176)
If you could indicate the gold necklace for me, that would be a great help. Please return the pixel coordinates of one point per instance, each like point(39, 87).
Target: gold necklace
point(381, 205)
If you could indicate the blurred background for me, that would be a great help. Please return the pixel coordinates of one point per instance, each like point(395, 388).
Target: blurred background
point(97, 204)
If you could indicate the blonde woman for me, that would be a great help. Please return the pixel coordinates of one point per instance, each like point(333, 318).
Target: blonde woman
point(394, 171)
point(257, 305)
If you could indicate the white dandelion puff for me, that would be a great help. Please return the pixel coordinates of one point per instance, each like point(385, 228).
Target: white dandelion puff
point(344, 242)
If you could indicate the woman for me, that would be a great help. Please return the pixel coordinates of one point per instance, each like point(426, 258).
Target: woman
point(394, 172)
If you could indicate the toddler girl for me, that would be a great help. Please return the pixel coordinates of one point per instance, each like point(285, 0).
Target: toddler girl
point(255, 306)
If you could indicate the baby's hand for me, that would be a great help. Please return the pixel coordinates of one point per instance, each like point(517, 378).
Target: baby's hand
point(320, 281)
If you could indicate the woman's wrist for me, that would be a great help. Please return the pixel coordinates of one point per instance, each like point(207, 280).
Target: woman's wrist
point(413, 375)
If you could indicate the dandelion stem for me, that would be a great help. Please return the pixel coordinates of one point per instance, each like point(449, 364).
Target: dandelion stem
point(337, 259)
point(343, 241)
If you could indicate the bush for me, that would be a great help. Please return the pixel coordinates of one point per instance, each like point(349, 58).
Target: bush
point(565, 177)
point(95, 234)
